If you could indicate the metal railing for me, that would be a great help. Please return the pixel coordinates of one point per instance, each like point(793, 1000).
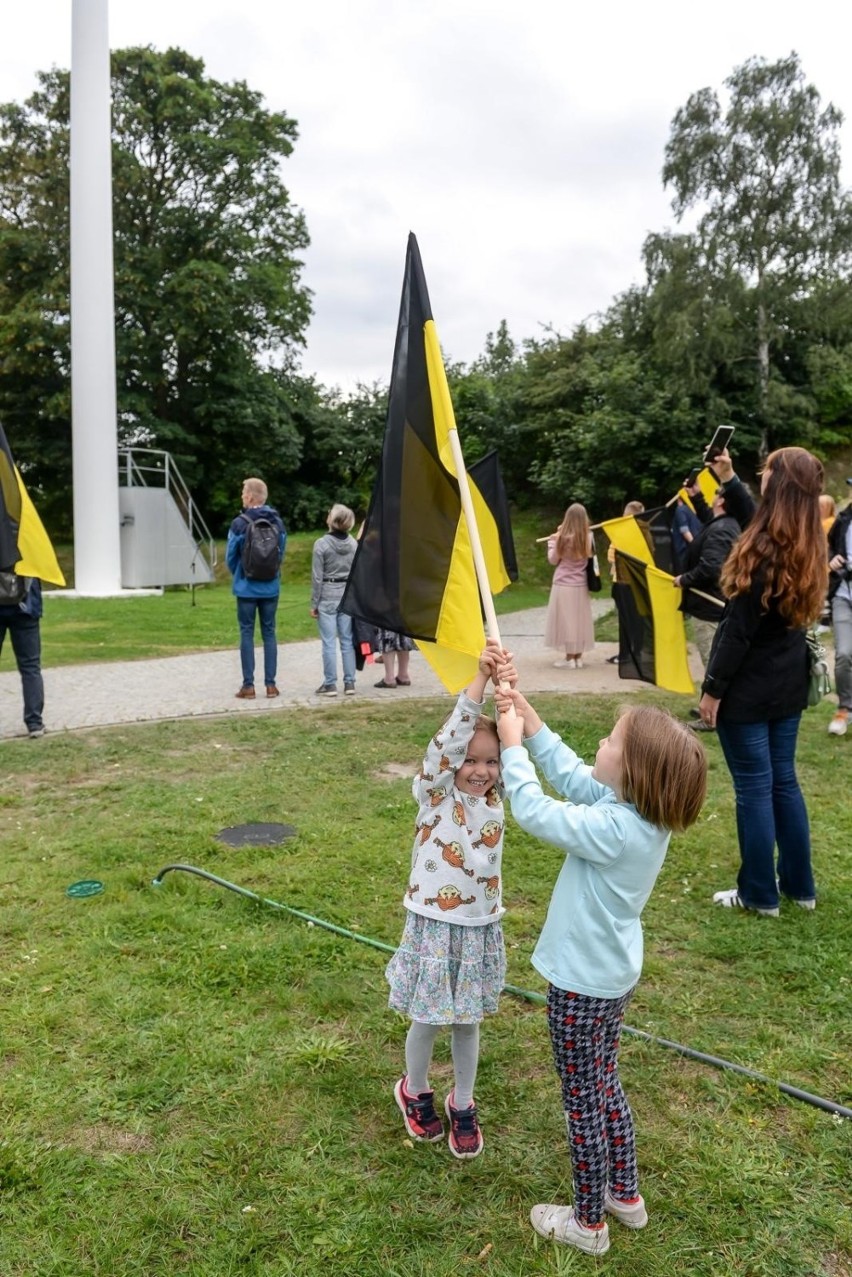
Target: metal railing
point(152, 468)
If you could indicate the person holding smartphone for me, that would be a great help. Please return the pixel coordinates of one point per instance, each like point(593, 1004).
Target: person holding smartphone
point(756, 684)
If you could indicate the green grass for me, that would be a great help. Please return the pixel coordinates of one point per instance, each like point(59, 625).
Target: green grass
point(196, 1086)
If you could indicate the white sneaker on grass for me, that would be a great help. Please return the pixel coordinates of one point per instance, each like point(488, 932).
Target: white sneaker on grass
point(560, 1224)
point(731, 899)
point(631, 1214)
point(839, 724)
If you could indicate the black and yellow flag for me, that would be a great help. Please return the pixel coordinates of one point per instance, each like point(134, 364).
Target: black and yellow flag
point(24, 545)
point(652, 627)
point(413, 571)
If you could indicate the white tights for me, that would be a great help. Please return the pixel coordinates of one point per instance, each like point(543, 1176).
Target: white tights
point(464, 1043)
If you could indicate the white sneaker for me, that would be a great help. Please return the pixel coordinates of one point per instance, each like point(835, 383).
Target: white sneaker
point(559, 1224)
point(578, 664)
point(731, 899)
point(839, 724)
point(806, 904)
point(631, 1214)
point(563, 665)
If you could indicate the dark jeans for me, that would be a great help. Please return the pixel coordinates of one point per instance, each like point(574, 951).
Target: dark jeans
point(26, 644)
point(761, 758)
point(265, 609)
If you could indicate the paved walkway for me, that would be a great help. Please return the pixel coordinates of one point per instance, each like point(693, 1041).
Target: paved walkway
point(203, 684)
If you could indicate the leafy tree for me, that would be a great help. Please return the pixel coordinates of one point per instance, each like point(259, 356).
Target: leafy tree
point(209, 304)
point(764, 175)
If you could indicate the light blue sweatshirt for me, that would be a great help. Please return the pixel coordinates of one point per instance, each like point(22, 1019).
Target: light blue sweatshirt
point(592, 939)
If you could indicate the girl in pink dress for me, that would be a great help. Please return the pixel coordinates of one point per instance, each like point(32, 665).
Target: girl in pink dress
point(568, 626)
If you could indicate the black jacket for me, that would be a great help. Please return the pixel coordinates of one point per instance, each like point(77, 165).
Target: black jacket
point(704, 558)
point(758, 664)
point(837, 545)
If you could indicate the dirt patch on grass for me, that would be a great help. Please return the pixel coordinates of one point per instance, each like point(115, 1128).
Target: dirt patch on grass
point(109, 1139)
point(395, 771)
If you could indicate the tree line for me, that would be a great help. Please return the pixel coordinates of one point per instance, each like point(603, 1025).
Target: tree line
point(744, 317)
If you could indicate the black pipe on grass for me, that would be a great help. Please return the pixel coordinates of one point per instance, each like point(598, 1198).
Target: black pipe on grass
point(828, 1106)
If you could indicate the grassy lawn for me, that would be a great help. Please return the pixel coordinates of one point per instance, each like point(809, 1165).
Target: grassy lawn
point(75, 631)
point(195, 1086)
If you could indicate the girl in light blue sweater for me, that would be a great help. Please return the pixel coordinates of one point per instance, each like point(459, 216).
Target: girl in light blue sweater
point(649, 778)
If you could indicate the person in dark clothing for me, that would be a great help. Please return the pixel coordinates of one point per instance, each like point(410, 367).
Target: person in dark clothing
point(255, 598)
point(840, 603)
point(22, 622)
point(705, 556)
point(756, 684)
point(686, 526)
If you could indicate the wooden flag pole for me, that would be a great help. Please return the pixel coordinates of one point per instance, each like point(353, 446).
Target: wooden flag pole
point(475, 543)
point(473, 533)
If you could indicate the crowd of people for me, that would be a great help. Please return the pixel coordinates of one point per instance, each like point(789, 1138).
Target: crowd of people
point(754, 575)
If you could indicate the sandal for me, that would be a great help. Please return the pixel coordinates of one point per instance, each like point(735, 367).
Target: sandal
point(382, 683)
point(403, 682)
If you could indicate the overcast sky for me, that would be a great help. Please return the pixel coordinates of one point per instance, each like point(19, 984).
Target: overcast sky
point(521, 141)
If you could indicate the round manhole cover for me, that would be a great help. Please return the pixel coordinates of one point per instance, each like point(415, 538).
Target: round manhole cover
point(256, 835)
point(88, 887)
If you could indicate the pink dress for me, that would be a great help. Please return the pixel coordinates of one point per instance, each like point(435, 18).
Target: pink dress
point(568, 625)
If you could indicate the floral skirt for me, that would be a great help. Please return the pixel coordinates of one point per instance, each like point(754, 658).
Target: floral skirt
point(443, 973)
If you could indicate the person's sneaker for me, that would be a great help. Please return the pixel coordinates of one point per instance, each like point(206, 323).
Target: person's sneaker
point(560, 1224)
point(732, 899)
point(246, 694)
point(465, 1138)
point(631, 1214)
point(272, 690)
point(806, 904)
point(578, 663)
point(418, 1113)
point(35, 732)
point(326, 689)
point(839, 724)
point(614, 660)
point(563, 665)
point(348, 689)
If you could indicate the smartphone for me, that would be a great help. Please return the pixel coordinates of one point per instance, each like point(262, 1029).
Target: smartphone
point(692, 476)
point(718, 443)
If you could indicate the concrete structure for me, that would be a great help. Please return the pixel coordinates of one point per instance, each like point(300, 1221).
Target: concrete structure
point(97, 553)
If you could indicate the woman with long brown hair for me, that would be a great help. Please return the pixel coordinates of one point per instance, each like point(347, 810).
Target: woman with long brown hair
point(568, 625)
point(756, 684)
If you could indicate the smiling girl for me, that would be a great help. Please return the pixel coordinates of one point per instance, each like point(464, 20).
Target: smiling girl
point(450, 964)
point(649, 778)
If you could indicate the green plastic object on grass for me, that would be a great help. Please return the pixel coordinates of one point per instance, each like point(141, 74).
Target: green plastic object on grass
point(86, 887)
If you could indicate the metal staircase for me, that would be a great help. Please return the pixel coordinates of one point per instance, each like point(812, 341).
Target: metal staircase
point(164, 539)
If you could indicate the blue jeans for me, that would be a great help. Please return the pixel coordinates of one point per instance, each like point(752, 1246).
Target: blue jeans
point(770, 810)
point(334, 627)
point(247, 609)
point(26, 644)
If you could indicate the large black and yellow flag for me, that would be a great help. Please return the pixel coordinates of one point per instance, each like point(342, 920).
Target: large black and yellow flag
point(413, 571)
point(24, 545)
point(652, 627)
point(646, 536)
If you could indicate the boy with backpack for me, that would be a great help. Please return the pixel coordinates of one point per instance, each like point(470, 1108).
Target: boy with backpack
point(255, 551)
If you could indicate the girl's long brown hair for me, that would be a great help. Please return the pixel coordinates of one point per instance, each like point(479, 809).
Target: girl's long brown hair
point(572, 536)
point(784, 542)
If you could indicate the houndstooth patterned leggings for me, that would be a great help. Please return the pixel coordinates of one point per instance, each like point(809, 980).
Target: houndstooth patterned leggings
point(584, 1034)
